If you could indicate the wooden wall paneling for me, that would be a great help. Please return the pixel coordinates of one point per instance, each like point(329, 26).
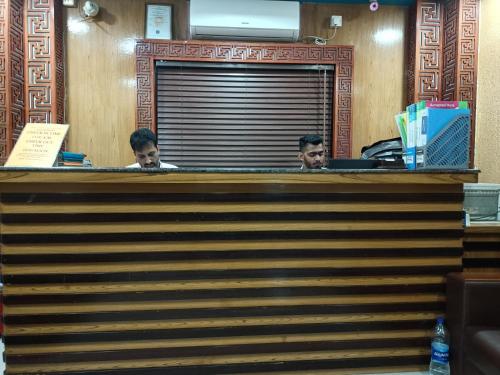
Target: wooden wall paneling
point(428, 64)
point(487, 135)
point(43, 63)
point(411, 42)
point(103, 134)
point(101, 75)
point(18, 73)
point(11, 75)
point(4, 79)
point(212, 285)
point(59, 83)
point(450, 49)
point(149, 51)
point(446, 54)
point(101, 80)
point(379, 77)
point(467, 61)
point(460, 56)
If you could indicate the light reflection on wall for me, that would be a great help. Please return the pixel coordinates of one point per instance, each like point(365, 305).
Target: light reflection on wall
point(128, 82)
point(78, 26)
point(388, 37)
point(127, 46)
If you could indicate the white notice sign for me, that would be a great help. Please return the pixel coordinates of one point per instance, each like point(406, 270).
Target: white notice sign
point(38, 146)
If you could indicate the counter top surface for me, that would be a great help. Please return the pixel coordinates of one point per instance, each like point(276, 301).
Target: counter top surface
point(237, 170)
point(15, 176)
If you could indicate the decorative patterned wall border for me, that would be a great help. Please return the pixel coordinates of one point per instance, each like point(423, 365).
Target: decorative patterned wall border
point(468, 41)
point(4, 79)
point(41, 61)
point(59, 62)
point(460, 54)
point(450, 46)
point(411, 55)
point(446, 34)
point(428, 63)
point(17, 56)
point(148, 51)
point(11, 73)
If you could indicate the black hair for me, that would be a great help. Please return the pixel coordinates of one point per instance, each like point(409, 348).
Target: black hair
point(141, 138)
point(313, 139)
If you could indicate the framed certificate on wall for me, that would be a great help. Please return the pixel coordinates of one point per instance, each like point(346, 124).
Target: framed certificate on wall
point(158, 21)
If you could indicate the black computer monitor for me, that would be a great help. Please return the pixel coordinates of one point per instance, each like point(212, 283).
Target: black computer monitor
point(353, 164)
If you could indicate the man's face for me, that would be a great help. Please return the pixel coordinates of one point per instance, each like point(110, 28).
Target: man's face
point(148, 157)
point(313, 156)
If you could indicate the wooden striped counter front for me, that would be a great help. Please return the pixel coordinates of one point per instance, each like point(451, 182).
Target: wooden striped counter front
point(482, 247)
point(225, 272)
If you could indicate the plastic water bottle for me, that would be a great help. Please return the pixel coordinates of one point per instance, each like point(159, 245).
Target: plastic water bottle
point(440, 350)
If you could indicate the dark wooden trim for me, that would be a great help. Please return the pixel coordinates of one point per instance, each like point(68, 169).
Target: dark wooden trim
point(217, 274)
point(278, 329)
point(235, 312)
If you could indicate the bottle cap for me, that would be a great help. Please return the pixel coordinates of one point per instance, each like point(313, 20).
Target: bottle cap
point(440, 320)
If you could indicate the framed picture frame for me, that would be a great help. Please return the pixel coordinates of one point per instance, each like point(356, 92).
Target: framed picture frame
point(158, 21)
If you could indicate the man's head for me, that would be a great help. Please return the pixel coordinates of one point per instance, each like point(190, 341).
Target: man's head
point(145, 146)
point(312, 151)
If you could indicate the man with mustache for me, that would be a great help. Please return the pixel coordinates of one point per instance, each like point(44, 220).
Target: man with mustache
point(147, 154)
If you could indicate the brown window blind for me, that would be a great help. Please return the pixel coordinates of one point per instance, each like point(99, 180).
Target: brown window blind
point(240, 115)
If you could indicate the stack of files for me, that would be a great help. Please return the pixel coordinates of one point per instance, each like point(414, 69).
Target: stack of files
point(442, 132)
point(73, 159)
point(435, 134)
point(402, 125)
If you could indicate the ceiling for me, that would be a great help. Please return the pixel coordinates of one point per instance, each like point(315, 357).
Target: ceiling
point(381, 2)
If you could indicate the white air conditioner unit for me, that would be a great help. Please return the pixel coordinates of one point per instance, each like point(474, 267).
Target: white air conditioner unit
point(258, 20)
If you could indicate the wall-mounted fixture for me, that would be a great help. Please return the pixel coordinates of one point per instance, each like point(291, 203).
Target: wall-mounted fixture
point(90, 9)
point(373, 5)
point(336, 21)
point(256, 20)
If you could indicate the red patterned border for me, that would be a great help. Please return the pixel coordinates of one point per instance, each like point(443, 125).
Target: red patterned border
point(468, 40)
point(460, 56)
point(451, 58)
point(450, 27)
point(147, 51)
point(428, 50)
point(4, 80)
point(17, 57)
point(41, 96)
point(411, 55)
point(11, 73)
point(59, 61)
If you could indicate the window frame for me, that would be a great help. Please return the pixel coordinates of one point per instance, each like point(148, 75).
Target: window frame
point(257, 105)
point(148, 52)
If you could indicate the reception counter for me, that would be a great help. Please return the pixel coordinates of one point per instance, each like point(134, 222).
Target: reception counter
point(225, 271)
